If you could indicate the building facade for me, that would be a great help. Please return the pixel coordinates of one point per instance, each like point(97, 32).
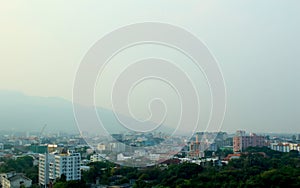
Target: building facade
point(241, 141)
point(14, 180)
point(98, 157)
point(52, 166)
point(5, 183)
point(285, 147)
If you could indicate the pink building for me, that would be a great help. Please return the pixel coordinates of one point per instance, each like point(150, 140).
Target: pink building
point(241, 141)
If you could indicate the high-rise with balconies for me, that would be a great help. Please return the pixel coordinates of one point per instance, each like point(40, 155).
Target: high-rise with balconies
point(52, 166)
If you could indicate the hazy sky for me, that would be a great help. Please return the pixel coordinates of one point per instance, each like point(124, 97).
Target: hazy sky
point(255, 42)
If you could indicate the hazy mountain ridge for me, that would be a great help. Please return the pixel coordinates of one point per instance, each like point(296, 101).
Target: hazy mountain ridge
point(22, 112)
point(26, 113)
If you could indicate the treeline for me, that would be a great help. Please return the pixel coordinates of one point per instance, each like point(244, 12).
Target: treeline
point(257, 167)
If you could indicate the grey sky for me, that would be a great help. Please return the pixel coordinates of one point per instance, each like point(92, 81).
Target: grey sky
point(255, 42)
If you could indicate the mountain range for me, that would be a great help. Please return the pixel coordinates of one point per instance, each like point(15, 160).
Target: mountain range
point(30, 113)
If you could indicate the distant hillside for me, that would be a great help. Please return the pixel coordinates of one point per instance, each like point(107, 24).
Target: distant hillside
point(22, 112)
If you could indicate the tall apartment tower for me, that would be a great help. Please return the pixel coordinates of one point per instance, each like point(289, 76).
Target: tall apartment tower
point(52, 166)
point(241, 141)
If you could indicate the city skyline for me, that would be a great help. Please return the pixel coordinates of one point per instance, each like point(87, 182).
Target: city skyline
point(68, 121)
point(256, 47)
point(139, 94)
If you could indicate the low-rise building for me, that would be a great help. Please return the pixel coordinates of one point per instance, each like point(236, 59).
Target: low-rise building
point(154, 157)
point(232, 156)
point(122, 157)
point(14, 180)
point(97, 157)
point(284, 146)
point(4, 181)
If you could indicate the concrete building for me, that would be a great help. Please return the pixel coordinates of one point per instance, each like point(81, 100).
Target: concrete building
point(4, 181)
point(98, 157)
point(154, 157)
point(241, 141)
point(14, 180)
point(203, 142)
point(101, 147)
point(298, 138)
point(285, 147)
point(122, 157)
point(52, 166)
point(1, 146)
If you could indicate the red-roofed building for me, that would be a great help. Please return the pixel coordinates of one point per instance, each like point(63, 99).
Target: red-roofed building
point(232, 156)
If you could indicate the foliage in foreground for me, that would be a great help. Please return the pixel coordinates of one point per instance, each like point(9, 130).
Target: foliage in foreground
point(259, 167)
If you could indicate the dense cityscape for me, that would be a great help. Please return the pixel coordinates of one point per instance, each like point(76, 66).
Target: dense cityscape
point(65, 160)
point(149, 94)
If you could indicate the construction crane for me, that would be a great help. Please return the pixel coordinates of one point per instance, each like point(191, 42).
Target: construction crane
point(39, 137)
point(41, 133)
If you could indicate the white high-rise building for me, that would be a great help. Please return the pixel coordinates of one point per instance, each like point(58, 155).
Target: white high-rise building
point(52, 166)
